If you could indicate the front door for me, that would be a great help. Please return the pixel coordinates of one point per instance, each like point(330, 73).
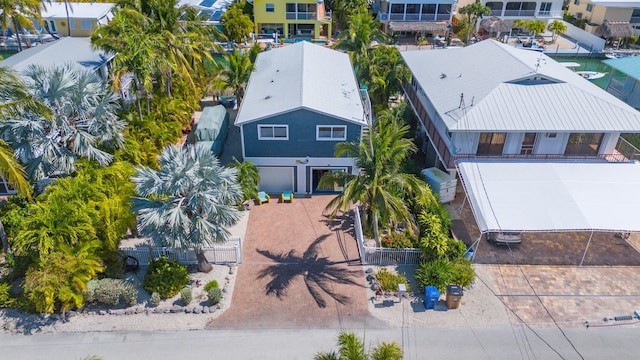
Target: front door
point(316, 175)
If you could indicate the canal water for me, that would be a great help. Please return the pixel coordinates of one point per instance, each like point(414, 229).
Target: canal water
point(589, 64)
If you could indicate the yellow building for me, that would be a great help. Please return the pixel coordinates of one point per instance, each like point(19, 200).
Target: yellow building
point(595, 12)
point(291, 19)
point(84, 18)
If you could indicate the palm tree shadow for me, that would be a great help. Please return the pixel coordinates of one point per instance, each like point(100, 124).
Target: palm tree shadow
point(319, 273)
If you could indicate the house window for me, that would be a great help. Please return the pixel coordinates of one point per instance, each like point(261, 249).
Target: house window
point(273, 132)
point(86, 25)
point(576, 2)
point(579, 16)
point(72, 24)
point(270, 7)
point(583, 144)
point(331, 133)
point(496, 8)
point(491, 143)
point(528, 143)
point(589, 7)
point(545, 8)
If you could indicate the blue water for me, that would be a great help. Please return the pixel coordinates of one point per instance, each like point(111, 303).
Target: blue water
point(589, 64)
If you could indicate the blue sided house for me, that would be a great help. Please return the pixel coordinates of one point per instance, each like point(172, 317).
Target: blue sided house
point(301, 101)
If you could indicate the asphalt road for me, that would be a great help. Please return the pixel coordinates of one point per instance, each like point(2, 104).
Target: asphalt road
point(418, 343)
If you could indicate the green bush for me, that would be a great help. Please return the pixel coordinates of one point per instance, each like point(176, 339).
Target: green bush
point(211, 285)
point(455, 249)
point(166, 277)
point(438, 273)
point(113, 265)
point(398, 240)
point(463, 273)
point(6, 300)
point(214, 295)
point(186, 296)
point(389, 281)
point(155, 299)
point(111, 292)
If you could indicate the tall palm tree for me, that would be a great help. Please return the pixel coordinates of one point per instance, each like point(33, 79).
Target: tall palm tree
point(21, 13)
point(84, 122)
point(236, 73)
point(189, 203)
point(385, 74)
point(380, 187)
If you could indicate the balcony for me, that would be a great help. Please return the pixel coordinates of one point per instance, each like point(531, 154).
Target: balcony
point(634, 20)
point(519, 13)
point(413, 17)
point(550, 14)
point(302, 16)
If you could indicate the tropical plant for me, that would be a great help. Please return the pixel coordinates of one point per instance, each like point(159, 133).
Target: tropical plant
point(22, 13)
point(535, 26)
point(379, 187)
point(463, 272)
point(390, 281)
point(210, 285)
point(557, 28)
point(351, 347)
point(111, 292)
point(474, 12)
point(6, 300)
point(236, 73)
point(342, 10)
point(166, 277)
point(248, 178)
point(186, 296)
point(214, 295)
point(188, 203)
point(155, 299)
point(236, 25)
point(84, 122)
point(385, 74)
point(439, 273)
point(357, 40)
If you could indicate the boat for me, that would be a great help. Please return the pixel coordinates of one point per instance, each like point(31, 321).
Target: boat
point(591, 75)
point(570, 65)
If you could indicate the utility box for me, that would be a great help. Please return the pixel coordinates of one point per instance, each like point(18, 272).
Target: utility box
point(441, 183)
point(402, 291)
point(431, 296)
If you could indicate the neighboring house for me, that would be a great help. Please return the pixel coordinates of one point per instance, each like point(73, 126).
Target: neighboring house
point(595, 12)
point(624, 82)
point(84, 18)
point(510, 11)
point(291, 19)
point(517, 104)
point(213, 9)
point(294, 113)
point(59, 52)
point(412, 17)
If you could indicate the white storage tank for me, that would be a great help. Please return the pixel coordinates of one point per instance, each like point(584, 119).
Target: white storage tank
point(441, 183)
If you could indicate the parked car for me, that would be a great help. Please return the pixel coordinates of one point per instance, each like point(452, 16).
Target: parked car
point(504, 238)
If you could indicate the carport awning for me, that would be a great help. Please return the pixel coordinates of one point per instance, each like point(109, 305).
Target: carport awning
point(552, 196)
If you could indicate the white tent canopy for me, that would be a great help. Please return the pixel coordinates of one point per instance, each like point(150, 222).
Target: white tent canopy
point(553, 196)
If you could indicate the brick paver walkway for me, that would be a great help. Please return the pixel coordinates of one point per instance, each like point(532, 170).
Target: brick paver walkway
point(299, 271)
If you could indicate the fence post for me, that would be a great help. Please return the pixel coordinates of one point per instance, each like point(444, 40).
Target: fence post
point(238, 254)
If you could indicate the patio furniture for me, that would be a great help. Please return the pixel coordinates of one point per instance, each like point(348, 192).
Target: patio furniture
point(263, 197)
point(287, 196)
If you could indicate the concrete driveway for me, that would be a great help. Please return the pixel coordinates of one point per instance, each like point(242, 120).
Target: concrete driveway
point(300, 270)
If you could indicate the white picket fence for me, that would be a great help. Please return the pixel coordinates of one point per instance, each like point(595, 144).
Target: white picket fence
point(382, 256)
point(225, 253)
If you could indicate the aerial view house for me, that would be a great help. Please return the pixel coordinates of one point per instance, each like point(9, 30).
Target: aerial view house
point(625, 80)
point(212, 9)
point(410, 17)
point(510, 11)
point(83, 20)
point(595, 12)
point(294, 113)
point(536, 146)
point(288, 19)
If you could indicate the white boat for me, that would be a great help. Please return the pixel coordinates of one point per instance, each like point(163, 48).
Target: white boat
point(591, 75)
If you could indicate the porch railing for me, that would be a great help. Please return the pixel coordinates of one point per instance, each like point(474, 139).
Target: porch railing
point(228, 252)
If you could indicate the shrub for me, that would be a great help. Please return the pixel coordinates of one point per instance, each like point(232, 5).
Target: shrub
point(214, 295)
point(463, 272)
point(389, 281)
point(211, 285)
point(166, 277)
point(398, 240)
point(114, 266)
point(111, 292)
point(186, 296)
point(155, 299)
point(455, 249)
point(5, 295)
point(438, 273)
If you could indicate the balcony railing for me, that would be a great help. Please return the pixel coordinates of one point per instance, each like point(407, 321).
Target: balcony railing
point(302, 16)
point(550, 14)
point(519, 12)
point(414, 17)
point(635, 20)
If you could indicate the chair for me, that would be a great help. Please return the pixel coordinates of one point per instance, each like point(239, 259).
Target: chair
point(263, 197)
point(287, 196)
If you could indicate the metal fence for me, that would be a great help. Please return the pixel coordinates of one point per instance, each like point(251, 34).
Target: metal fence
point(228, 252)
point(382, 256)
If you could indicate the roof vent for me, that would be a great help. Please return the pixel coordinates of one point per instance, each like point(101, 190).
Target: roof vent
point(267, 97)
point(443, 75)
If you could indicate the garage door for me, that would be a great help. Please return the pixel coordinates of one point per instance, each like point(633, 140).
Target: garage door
point(276, 179)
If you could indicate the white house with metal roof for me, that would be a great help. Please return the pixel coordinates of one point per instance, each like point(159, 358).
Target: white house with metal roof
point(536, 146)
point(296, 109)
point(83, 18)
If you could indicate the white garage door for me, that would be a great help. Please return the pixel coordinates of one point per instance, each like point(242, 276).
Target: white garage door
point(276, 179)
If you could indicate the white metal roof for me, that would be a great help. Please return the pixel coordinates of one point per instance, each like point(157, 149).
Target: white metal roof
point(77, 10)
point(302, 75)
point(497, 81)
point(552, 196)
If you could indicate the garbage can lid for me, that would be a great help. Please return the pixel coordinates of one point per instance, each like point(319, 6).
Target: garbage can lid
point(455, 290)
point(431, 291)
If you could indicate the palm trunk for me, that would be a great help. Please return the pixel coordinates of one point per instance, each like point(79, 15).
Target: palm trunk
point(203, 263)
point(15, 25)
point(376, 231)
point(66, 7)
point(138, 92)
point(3, 238)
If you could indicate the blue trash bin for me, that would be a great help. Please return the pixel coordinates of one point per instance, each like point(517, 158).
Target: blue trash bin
point(469, 254)
point(431, 296)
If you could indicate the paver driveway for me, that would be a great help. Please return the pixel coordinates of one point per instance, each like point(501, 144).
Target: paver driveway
point(300, 270)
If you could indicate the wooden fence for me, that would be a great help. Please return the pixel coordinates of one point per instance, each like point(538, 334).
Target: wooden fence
point(228, 252)
point(382, 256)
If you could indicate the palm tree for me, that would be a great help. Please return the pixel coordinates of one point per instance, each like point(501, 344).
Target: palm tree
point(357, 39)
point(380, 186)
point(236, 73)
point(21, 12)
point(189, 203)
point(558, 28)
point(351, 347)
point(248, 177)
point(84, 122)
point(474, 11)
point(386, 74)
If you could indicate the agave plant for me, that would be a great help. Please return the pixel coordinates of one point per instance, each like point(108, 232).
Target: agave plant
point(83, 122)
point(189, 203)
